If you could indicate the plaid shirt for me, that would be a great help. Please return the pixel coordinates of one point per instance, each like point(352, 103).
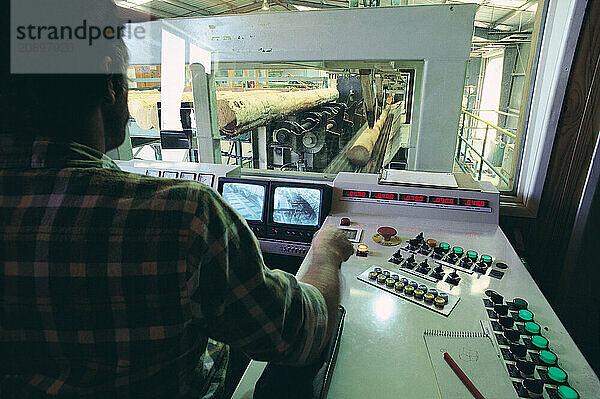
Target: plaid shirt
point(119, 285)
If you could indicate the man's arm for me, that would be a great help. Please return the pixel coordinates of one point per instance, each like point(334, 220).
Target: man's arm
point(320, 268)
point(268, 314)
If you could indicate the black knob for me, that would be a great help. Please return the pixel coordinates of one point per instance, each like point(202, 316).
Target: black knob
point(518, 350)
point(413, 243)
point(439, 269)
point(519, 303)
point(525, 368)
point(512, 335)
point(453, 278)
point(501, 310)
point(466, 263)
point(419, 237)
point(506, 322)
point(533, 387)
point(424, 264)
point(496, 298)
point(438, 250)
point(411, 259)
point(481, 267)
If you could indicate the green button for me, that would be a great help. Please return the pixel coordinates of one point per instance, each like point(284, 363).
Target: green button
point(486, 258)
point(445, 246)
point(472, 254)
point(532, 328)
point(548, 357)
point(458, 250)
point(557, 374)
point(566, 392)
point(539, 342)
point(525, 315)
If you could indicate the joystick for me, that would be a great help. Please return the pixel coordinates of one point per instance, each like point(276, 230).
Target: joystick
point(438, 272)
point(424, 267)
point(453, 278)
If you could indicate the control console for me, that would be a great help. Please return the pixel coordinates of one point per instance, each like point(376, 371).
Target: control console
point(431, 256)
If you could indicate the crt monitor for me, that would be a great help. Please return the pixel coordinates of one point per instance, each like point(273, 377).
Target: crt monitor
point(295, 208)
point(248, 197)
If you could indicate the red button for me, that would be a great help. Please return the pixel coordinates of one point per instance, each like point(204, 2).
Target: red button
point(345, 222)
point(387, 232)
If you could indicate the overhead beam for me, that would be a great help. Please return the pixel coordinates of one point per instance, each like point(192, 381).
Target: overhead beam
point(513, 13)
point(149, 10)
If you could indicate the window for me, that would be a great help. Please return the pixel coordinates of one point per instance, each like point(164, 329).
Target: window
point(409, 71)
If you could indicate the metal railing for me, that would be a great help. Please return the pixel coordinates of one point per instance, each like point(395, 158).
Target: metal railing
point(467, 125)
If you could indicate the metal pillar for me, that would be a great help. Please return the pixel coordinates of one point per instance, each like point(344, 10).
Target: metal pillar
point(205, 110)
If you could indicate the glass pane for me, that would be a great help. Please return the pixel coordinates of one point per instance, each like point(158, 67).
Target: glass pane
point(359, 115)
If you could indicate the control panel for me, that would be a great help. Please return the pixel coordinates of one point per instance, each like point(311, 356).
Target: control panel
point(422, 262)
point(205, 173)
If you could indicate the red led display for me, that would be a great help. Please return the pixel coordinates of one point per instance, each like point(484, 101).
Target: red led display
point(413, 198)
point(355, 194)
point(443, 200)
point(385, 196)
point(474, 202)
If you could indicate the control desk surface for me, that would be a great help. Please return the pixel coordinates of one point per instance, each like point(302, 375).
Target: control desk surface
point(382, 353)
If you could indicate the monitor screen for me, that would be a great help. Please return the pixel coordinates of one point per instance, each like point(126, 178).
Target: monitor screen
point(296, 205)
point(247, 199)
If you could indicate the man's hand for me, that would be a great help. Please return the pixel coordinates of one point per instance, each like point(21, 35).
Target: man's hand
point(331, 240)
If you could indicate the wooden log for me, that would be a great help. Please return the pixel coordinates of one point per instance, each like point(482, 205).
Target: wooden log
point(360, 153)
point(237, 114)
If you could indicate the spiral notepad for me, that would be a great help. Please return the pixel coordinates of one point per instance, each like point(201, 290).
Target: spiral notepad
point(477, 358)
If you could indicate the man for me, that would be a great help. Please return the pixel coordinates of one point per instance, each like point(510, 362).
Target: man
point(116, 285)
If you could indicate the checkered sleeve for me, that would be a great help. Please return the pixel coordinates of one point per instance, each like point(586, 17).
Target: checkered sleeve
point(267, 313)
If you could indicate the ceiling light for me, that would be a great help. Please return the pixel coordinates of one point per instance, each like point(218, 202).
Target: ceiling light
point(304, 8)
point(139, 2)
point(265, 5)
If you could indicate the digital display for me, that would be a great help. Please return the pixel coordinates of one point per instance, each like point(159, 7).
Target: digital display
point(247, 199)
point(188, 175)
point(153, 172)
point(170, 175)
point(355, 194)
point(413, 198)
point(474, 202)
point(443, 200)
point(385, 196)
point(296, 205)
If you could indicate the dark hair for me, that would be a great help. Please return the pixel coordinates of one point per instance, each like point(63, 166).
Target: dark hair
point(44, 104)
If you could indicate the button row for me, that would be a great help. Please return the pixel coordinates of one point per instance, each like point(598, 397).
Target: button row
point(409, 287)
point(520, 326)
point(452, 255)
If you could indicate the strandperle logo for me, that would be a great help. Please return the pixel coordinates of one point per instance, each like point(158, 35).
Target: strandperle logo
point(84, 31)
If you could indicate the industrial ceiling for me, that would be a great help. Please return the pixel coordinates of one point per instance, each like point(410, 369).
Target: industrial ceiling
point(498, 23)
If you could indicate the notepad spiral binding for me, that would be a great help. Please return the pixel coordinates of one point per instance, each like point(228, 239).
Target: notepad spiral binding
point(455, 334)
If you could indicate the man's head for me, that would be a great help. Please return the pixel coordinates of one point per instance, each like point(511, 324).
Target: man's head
point(89, 107)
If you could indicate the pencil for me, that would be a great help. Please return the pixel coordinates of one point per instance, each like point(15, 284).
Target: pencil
point(461, 375)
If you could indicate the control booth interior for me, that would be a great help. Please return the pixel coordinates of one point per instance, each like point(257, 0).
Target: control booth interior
point(365, 118)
